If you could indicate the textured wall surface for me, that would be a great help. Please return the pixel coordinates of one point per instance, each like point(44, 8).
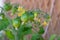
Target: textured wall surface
point(51, 6)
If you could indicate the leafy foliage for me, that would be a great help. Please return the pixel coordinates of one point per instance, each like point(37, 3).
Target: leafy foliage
point(37, 37)
point(24, 30)
point(14, 9)
point(7, 6)
point(24, 23)
point(9, 34)
point(3, 22)
point(41, 31)
point(52, 37)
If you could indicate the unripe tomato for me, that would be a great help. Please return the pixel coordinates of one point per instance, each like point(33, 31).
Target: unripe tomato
point(24, 17)
point(16, 23)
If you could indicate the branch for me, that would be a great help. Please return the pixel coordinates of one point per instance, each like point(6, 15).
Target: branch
point(51, 10)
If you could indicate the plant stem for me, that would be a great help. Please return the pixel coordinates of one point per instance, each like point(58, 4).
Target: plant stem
point(16, 37)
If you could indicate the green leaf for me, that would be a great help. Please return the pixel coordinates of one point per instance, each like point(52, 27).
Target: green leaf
point(41, 31)
point(3, 22)
point(52, 37)
point(9, 34)
point(7, 6)
point(31, 16)
point(41, 38)
point(34, 37)
point(27, 29)
point(14, 9)
point(37, 37)
point(24, 30)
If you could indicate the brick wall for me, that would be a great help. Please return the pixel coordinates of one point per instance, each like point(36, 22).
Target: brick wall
point(33, 4)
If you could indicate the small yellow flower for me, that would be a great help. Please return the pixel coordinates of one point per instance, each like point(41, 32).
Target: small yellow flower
point(19, 14)
point(20, 8)
point(21, 11)
point(44, 23)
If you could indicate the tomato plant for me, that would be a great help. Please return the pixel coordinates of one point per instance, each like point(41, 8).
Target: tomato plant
point(25, 22)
